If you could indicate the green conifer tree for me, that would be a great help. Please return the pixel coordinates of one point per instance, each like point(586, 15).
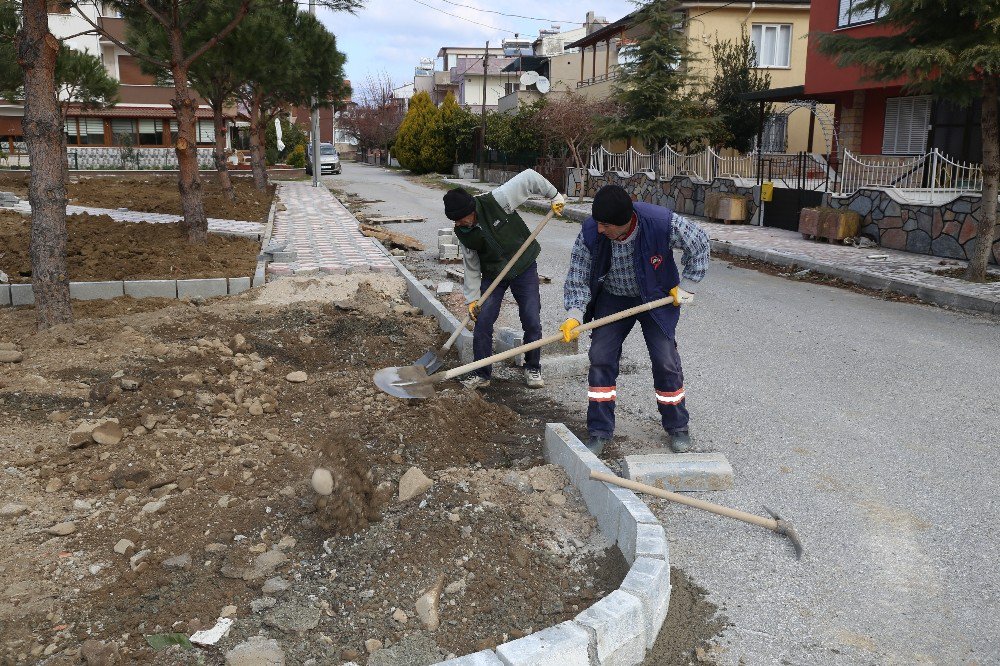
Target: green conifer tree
point(420, 144)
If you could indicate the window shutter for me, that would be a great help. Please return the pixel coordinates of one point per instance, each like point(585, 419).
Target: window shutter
point(845, 13)
point(91, 126)
point(906, 120)
point(206, 132)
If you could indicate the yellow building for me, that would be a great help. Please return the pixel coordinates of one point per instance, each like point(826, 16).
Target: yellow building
point(778, 29)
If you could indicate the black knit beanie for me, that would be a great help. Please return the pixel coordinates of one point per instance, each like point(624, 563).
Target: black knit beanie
point(612, 205)
point(458, 203)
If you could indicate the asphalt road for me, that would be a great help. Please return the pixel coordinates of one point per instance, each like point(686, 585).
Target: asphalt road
point(871, 425)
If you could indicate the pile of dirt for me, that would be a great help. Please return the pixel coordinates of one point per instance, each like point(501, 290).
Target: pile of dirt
point(156, 194)
point(192, 499)
point(99, 248)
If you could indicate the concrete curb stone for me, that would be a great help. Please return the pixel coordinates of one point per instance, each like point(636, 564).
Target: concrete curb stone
point(649, 580)
point(617, 629)
point(22, 294)
point(484, 658)
point(260, 273)
point(239, 285)
point(687, 472)
point(565, 643)
point(4, 294)
point(151, 288)
point(205, 288)
point(94, 291)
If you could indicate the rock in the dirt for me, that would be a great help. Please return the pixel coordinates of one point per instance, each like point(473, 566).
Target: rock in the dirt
point(296, 377)
point(258, 651)
point(178, 562)
point(123, 546)
point(322, 481)
point(227, 611)
point(400, 616)
point(265, 564)
point(294, 617)
point(427, 606)
point(59, 417)
point(108, 432)
point(138, 558)
point(10, 356)
point(99, 653)
point(81, 435)
point(416, 649)
point(275, 585)
point(130, 384)
point(153, 507)
point(258, 605)
point(455, 588)
point(62, 529)
point(373, 645)
point(256, 409)
point(82, 505)
point(10, 510)
point(193, 378)
point(54, 484)
point(556, 499)
point(518, 481)
point(413, 483)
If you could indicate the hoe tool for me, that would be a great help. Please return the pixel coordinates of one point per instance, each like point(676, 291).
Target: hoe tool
point(432, 360)
point(414, 381)
point(775, 523)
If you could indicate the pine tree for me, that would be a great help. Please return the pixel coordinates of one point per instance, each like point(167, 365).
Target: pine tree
point(656, 91)
point(950, 50)
point(735, 76)
point(420, 145)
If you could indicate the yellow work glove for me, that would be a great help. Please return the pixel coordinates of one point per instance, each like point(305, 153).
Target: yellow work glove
point(681, 297)
point(569, 334)
point(558, 204)
point(473, 310)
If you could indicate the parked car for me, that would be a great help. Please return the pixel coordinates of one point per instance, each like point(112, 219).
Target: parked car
point(329, 159)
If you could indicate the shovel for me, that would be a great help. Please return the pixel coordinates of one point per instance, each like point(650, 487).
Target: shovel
point(433, 359)
point(414, 382)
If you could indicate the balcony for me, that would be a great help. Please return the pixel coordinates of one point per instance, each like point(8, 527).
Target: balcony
point(600, 78)
point(512, 101)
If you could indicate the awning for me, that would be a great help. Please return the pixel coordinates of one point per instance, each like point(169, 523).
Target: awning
point(527, 64)
point(787, 94)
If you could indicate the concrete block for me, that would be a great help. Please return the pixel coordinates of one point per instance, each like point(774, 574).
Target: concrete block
point(649, 581)
point(4, 294)
point(96, 291)
point(572, 365)
point(617, 629)
point(202, 288)
point(680, 471)
point(445, 287)
point(608, 519)
point(284, 257)
point(151, 288)
point(508, 338)
point(239, 285)
point(484, 658)
point(448, 251)
point(566, 643)
point(22, 294)
point(633, 540)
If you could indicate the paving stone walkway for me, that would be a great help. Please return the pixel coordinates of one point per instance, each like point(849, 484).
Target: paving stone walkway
point(322, 233)
point(905, 272)
point(215, 225)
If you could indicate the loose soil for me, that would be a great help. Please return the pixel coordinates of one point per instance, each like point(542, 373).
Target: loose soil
point(156, 194)
point(211, 485)
point(959, 274)
point(99, 248)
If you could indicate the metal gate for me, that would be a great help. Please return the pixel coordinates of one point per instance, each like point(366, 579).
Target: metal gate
point(800, 181)
point(783, 210)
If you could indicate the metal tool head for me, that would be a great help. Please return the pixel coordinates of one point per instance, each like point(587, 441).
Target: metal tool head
point(408, 382)
point(784, 528)
point(431, 361)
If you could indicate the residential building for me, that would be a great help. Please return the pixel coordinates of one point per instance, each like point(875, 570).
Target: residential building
point(878, 118)
point(447, 76)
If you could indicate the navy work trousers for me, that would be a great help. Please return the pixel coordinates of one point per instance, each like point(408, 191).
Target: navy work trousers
point(605, 356)
point(524, 288)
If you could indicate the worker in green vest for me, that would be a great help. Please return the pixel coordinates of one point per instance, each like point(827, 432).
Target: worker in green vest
point(490, 232)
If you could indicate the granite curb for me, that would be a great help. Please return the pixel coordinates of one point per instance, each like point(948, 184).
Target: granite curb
point(621, 627)
point(17, 295)
point(260, 273)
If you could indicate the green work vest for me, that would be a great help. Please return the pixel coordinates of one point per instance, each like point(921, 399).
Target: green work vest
point(496, 237)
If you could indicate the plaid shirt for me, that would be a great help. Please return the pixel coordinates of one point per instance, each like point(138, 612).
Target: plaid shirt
point(621, 279)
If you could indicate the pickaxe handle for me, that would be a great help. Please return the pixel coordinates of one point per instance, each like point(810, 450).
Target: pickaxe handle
point(499, 278)
point(769, 523)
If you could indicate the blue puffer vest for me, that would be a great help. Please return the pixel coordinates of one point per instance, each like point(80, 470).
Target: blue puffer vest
point(654, 262)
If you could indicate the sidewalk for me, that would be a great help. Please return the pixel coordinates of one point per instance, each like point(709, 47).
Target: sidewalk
point(901, 272)
point(322, 233)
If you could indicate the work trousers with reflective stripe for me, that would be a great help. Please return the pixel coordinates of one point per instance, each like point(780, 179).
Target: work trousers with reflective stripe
point(605, 356)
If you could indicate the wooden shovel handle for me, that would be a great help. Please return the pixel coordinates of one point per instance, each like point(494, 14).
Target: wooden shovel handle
point(769, 523)
point(510, 353)
point(500, 277)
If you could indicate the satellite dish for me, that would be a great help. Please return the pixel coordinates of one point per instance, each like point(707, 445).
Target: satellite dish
point(529, 78)
point(542, 84)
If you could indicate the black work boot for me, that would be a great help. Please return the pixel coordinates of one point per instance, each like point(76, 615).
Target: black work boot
point(597, 443)
point(680, 441)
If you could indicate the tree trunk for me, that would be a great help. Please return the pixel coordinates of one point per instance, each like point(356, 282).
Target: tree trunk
point(982, 247)
point(220, 152)
point(257, 137)
point(37, 49)
point(195, 222)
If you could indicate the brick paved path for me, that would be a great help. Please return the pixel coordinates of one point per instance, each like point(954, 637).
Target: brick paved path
point(323, 233)
point(215, 225)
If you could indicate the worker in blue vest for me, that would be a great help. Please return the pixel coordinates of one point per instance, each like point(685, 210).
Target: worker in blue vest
point(623, 257)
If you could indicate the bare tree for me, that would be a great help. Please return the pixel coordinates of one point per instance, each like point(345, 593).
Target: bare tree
point(573, 121)
point(376, 116)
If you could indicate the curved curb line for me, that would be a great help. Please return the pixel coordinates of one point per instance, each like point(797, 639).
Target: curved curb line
point(618, 629)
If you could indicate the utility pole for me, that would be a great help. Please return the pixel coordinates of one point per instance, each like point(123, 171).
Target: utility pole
point(314, 118)
point(482, 130)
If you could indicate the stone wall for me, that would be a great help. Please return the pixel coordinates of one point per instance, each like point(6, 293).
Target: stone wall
point(681, 194)
point(105, 158)
point(943, 231)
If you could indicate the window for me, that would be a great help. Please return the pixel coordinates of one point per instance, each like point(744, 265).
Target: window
point(906, 122)
point(773, 44)
point(851, 15)
point(206, 132)
point(85, 131)
point(151, 132)
point(775, 133)
point(121, 128)
point(511, 87)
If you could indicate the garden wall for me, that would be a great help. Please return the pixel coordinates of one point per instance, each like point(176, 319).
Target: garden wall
point(82, 157)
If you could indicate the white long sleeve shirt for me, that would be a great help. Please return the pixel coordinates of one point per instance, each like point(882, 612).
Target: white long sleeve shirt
point(510, 196)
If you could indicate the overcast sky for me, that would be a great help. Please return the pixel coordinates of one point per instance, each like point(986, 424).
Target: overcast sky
point(393, 35)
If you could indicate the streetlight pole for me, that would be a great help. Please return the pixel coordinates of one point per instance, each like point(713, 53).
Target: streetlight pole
point(314, 117)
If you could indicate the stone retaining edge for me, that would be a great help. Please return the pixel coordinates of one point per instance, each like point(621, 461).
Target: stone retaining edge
point(17, 295)
point(260, 274)
point(934, 295)
point(621, 627)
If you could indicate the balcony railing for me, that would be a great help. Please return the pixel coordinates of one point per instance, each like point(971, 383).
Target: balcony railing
point(600, 78)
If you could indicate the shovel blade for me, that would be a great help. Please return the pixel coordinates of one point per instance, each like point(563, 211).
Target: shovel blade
point(431, 361)
point(410, 382)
